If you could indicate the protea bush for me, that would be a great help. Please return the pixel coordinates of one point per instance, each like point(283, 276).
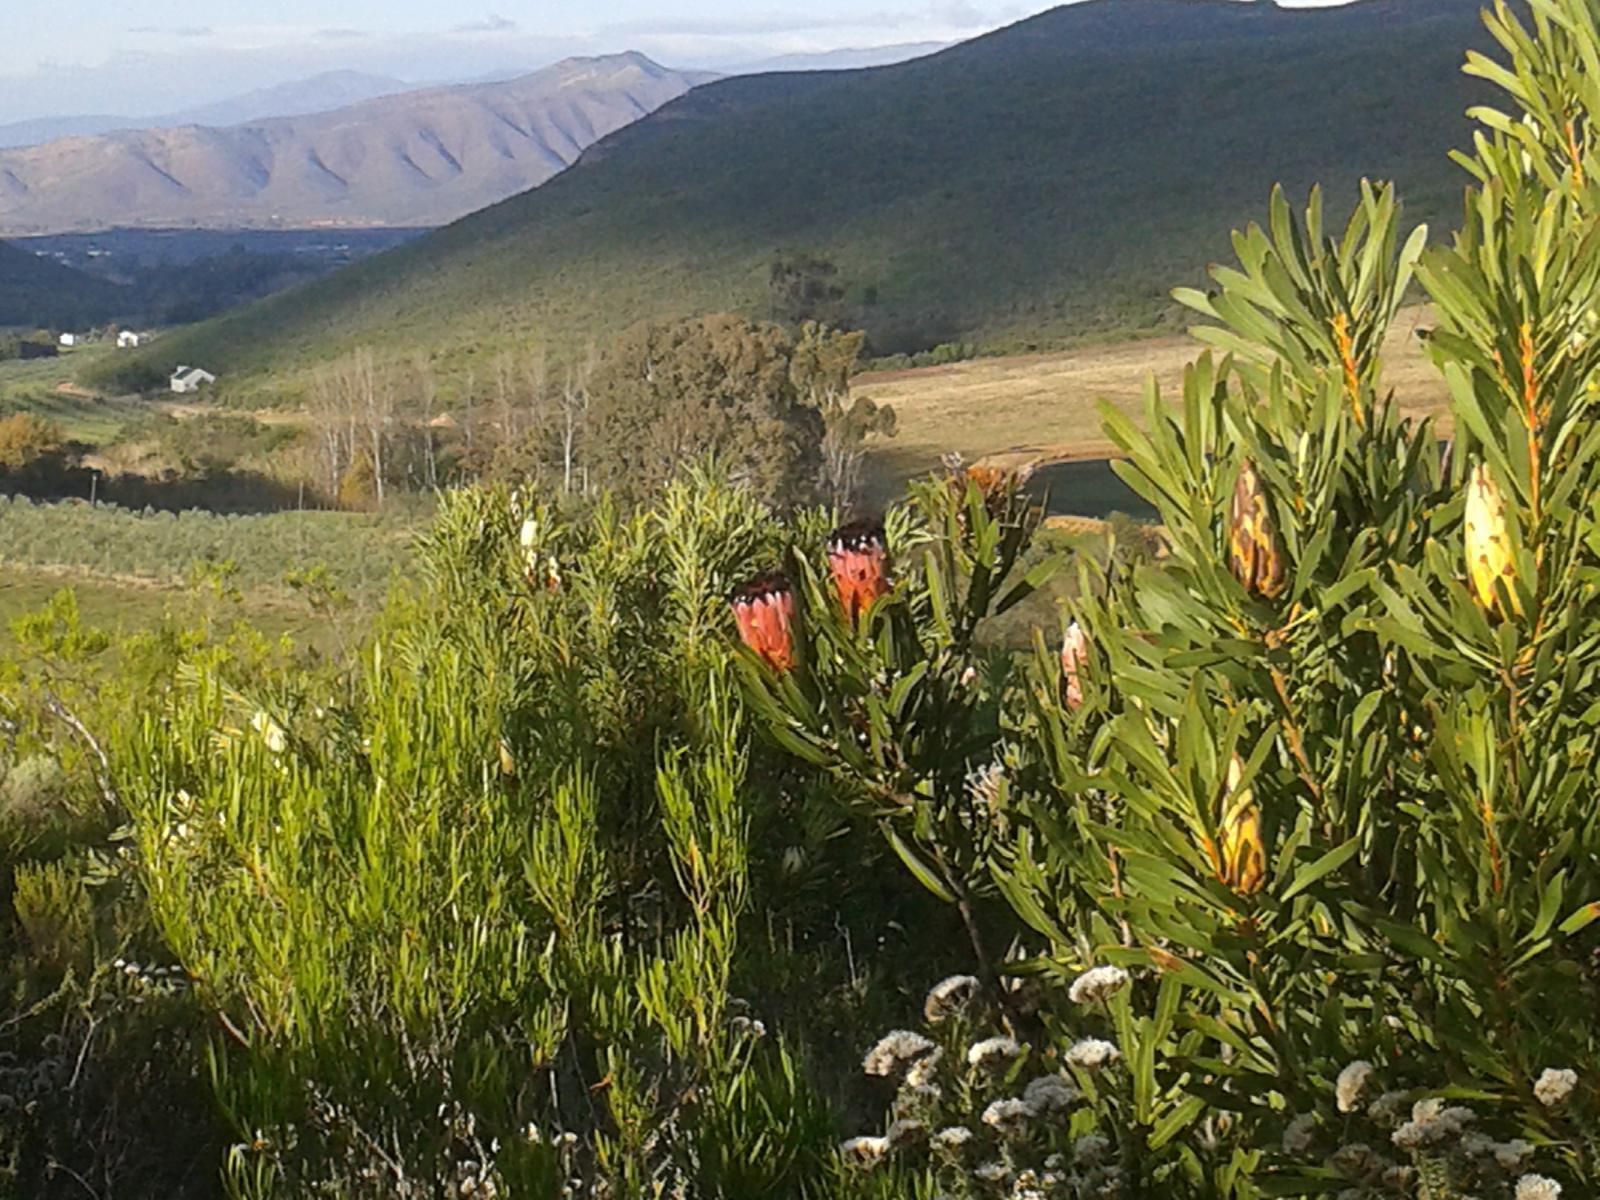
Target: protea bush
point(701, 850)
point(1322, 781)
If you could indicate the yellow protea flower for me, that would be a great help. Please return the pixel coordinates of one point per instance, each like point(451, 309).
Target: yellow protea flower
point(1253, 551)
point(1242, 865)
point(1488, 542)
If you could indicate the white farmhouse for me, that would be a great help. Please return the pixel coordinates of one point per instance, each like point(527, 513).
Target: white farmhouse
point(127, 340)
point(190, 379)
point(67, 339)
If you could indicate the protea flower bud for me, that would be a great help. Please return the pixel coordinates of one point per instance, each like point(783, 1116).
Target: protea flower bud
point(1074, 657)
point(764, 609)
point(1242, 865)
point(1489, 542)
point(541, 570)
point(508, 761)
point(860, 565)
point(999, 484)
point(1253, 550)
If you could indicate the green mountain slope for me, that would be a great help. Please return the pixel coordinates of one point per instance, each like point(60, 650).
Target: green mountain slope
point(1052, 180)
point(39, 291)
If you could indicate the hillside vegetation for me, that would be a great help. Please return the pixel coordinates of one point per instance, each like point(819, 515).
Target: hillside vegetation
point(38, 291)
point(1050, 181)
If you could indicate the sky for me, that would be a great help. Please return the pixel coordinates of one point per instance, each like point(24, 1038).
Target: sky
point(68, 57)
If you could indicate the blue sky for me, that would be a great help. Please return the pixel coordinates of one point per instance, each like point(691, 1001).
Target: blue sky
point(153, 56)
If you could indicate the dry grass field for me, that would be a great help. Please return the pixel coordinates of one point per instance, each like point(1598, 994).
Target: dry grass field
point(1044, 407)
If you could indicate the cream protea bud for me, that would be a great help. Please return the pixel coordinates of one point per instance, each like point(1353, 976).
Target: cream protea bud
point(1489, 542)
point(1253, 550)
point(1074, 657)
point(1242, 863)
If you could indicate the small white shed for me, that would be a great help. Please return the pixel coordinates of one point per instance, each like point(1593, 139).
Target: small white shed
point(190, 379)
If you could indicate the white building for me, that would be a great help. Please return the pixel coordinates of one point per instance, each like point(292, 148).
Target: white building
point(190, 379)
point(67, 339)
point(127, 340)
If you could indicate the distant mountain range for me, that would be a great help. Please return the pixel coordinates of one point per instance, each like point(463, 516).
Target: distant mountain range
point(1050, 181)
point(842, 60)
point(320, 93)
point(415, 158)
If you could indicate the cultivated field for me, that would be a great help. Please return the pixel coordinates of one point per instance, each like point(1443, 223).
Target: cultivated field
point(1045, 407)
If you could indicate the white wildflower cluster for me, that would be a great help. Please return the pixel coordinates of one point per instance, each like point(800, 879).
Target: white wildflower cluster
point(1009, 1117)
point(949, 997)
point(1537, 1187)
point(168, 979)
point(1299, 1135)
point(905, 1132)
point(271, 732)
point(1508, 1155)
point(748, 1027)
point(1554, 1086)
point(894, 1050)
point(1389, 1109)
point(920, 1074)
point(993, 1172)
point(1090, 1149)
point(1049, 1094)
point(1351, 1083)
point(1097, 985)
point(1432, 1124)
point(1091, 1054)
point(994, 1052)
point(951, 1139)
point(864, 1152)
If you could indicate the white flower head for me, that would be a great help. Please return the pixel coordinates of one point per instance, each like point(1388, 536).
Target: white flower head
point(1389, 1109)
point(1537, 1187)
point(893, 1050)
point(1050, 1094)
point(1511, 1155)
point(1352, 1082)
point(271, 732)
point(1090, 1148)
point(1555, 1085)
point(952, 1138)
point(1009, 1116)
point(865, 1152)
point(993, 1172)
point(1299, 1135)
point(948, 997)
point(1356, 1158)
point(904, 1131)
point(1097, 984)
point(1431, 1123)
point(993, 1052)
point(1093, 1053)
point(920, 1074)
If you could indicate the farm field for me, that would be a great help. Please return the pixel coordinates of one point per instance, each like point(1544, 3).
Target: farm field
point(122, 606)
point(1045, 407)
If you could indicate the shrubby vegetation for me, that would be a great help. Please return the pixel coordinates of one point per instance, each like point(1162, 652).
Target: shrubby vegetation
point(359, 552)
point(1269, 871)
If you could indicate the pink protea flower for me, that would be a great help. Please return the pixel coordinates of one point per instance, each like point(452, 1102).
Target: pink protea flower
point(764, 609)
point(859, 561)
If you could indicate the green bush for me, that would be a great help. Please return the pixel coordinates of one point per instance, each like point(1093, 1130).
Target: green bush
point(1272, 870)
